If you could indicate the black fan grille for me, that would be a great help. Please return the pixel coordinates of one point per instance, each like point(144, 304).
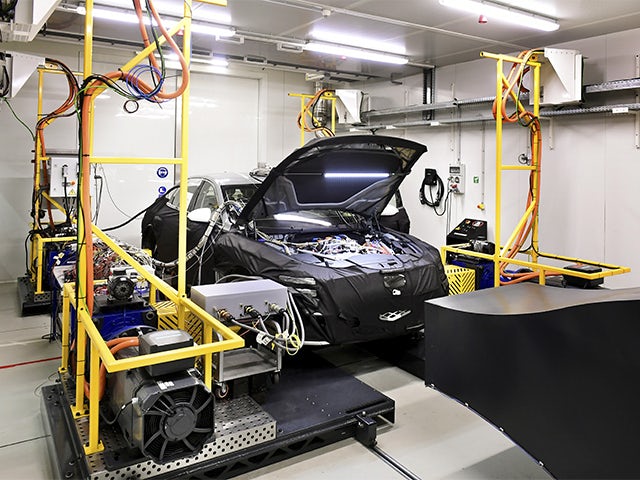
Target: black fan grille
point(157, 444)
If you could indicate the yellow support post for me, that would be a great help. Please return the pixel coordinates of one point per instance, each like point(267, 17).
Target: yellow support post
point(39, 261)
point(184, 154)
point(207, 337)
point(536, 178)
point(303, 112)
point(66, 314)
point(36, 181)
point(497, 227)
point(94, 445)
point(81, 265)
point(79, 408)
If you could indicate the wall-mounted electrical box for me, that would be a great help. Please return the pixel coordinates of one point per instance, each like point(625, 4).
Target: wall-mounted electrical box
point(456, 178)
point(63, 176)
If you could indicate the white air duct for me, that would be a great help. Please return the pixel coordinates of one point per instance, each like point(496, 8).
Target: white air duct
point(28, 18)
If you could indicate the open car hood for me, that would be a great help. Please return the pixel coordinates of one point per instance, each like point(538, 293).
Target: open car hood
point(355, 173)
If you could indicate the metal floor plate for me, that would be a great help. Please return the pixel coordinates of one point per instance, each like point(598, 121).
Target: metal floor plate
point(239, 423)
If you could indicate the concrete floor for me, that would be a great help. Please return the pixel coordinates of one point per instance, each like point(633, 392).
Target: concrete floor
point(434, 437)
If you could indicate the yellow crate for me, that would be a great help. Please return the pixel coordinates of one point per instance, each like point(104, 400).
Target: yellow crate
point(461, 280)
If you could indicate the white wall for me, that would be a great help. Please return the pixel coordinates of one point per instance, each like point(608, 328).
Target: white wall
point(590, 164)
point(237, 120)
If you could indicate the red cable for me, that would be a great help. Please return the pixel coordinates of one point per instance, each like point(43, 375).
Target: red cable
point(29, 362)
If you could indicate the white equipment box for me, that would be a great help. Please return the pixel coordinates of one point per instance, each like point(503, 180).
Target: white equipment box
point(235, 297)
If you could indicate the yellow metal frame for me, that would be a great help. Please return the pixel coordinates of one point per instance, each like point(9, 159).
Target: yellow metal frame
point(86, 330)
point(499, 257)
point(37, 240)
point(304, 111)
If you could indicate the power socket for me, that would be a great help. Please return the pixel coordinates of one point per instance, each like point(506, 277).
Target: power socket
point(457, 178)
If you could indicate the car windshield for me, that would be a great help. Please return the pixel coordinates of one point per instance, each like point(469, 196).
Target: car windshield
point(238, 193)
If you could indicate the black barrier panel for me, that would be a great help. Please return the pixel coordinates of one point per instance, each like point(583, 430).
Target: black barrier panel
point(557, 369)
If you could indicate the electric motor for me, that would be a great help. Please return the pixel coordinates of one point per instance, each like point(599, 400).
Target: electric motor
point(167, 416)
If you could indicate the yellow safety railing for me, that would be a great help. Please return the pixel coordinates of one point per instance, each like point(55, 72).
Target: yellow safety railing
point(75, 295)
point(500, 257)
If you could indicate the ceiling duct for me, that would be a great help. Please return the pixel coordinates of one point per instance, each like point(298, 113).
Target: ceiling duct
point(26, 20)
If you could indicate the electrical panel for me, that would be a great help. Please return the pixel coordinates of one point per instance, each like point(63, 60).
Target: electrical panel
point(63, 176)
point(456, 178)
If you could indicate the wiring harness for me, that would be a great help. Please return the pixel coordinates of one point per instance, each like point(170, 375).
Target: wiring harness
point(318, 127)
point(281, 328)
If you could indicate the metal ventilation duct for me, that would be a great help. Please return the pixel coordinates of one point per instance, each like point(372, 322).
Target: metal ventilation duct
point(25, 21)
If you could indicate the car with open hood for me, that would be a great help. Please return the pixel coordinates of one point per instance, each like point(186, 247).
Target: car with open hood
point(313, 225)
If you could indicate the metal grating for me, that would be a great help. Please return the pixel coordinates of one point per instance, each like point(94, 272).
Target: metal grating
point(461, 280)
point(239, 423)
point(624, 84)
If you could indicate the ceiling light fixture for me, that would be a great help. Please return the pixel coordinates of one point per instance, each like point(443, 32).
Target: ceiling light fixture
point(340, 38)
point(216, 61)
point(207, 13)
point(354, 52)
point(505, 13)
point(128, 16)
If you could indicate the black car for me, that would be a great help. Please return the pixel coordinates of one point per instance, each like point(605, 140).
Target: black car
point(313, 226)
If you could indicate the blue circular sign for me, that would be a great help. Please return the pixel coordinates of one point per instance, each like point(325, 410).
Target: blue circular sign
point(162, 172)
point(162, 190)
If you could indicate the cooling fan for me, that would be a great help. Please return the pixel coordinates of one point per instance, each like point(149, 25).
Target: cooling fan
point(175, 419)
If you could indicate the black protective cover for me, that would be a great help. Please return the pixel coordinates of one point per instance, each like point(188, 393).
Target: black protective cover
point(349, 299)
point(555, 368)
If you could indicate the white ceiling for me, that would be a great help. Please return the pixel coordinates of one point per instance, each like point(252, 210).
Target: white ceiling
point(432, 34)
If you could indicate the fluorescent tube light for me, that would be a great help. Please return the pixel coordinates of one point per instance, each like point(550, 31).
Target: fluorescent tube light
point(504, 13)
point(115, 15)
point(356, 175)
point(128, 16)
point(299, 218)
point(355, 41)
point(215, 61)
point(209, 29)
point(205, 13)
point(354, 52)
